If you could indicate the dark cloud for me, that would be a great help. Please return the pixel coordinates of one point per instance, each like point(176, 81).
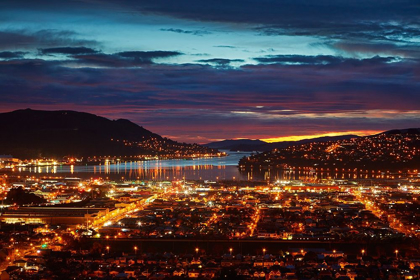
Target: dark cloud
point(271, 11)
point(26, 40)
point(104, 60)
point(122, 59)
point(11, 40)
point(389, 20)
point(182, 31)
point(371, 48)
point(390, 25)
point(367, 94)
point(148, 55)
point(399, 32)
point(220, 61)
point(229, 47)
point(320, 60)
point(372, 82)
point(68, 50)
point(385, 19)
point(11, 55)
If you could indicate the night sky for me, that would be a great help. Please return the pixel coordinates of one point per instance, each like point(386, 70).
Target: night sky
point(200, 71)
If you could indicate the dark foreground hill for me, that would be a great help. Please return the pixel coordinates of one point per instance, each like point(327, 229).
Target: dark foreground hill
point(32, 133)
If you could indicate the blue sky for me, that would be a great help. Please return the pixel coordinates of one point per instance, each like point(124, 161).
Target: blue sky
point(202, 71)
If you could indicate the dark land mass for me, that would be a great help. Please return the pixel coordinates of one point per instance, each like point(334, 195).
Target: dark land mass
point(19, 196)
point(393, 150)
point(259, 145)
point(33, 134)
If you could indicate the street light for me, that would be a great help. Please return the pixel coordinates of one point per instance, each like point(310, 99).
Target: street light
point(363, 252)
point(334, 251)
point(107, 247)
point(135, 250)
point(196, 250)
point(230, 250)
point(396, 254)
point(264, 251)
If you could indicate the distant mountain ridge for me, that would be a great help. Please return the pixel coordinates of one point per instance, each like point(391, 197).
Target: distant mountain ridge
point(240, 144)
point(34, 133)
point(403, 131)
point(259, 145)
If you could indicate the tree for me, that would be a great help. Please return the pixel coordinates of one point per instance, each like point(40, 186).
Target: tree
point(311, 256)
point(97, 248)
point(21, 197)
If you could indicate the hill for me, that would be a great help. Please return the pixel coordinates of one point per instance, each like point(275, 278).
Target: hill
point(259, 145)
point(238, 145)
point(390, 150)
point(33, 133)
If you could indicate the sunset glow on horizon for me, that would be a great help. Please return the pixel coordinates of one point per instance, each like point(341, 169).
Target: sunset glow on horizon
point(329, 134)
point(280, 71)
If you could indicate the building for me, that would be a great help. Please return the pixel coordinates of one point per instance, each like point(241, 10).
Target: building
point(52, 215)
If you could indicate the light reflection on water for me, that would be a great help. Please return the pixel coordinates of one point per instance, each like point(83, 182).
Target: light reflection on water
point(201, 168)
